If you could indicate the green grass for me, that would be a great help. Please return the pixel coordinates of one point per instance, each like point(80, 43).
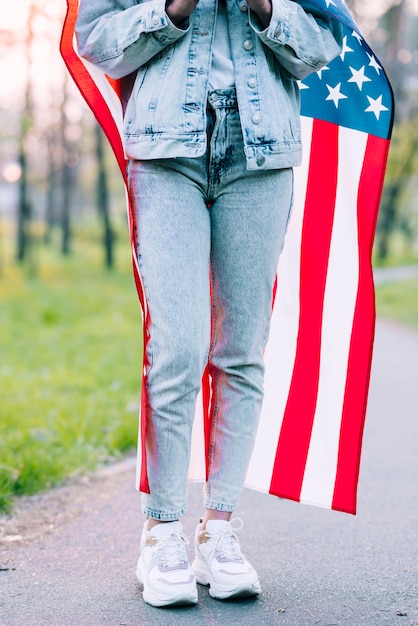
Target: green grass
point(401, 252)
point(70, 369)
point(399, 301)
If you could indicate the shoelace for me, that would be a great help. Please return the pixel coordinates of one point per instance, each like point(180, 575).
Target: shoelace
point(227, 543)
point(171, 549)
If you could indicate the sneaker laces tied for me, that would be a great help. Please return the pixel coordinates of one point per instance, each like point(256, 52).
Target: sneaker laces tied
point(227, 545)
point(171, 549)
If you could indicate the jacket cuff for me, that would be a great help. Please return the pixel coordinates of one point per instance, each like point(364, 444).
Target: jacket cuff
point(278, 30)
point(157, 22)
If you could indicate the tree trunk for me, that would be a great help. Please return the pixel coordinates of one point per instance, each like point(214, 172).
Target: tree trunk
point(103, 200)
point(24, 209)
point(68, 177)
point(23, 215)
point(391, 201)
point(51, 198)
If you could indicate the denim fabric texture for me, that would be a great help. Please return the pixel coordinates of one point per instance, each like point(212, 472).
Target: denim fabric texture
point(166, 112)
point(206, 223)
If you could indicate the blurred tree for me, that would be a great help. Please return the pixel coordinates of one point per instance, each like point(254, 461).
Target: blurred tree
point(103, 198)
point(394, 25)
point(24, 205)
point(70, 159)
point(397, 49)
point(52, 184)
point(402, 165)
point(392, 30)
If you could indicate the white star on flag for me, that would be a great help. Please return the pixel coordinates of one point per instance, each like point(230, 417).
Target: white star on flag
point(359, 77)
point(346, 48)
point(376, 106)
point(302, 85)
point(373, 63)
point(357, 36)
point(323, 69)
point(335, 94)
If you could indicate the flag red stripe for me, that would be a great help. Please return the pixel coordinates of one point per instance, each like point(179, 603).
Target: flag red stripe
point(293, 446)
point(274, 293)
point(87, 86)
point(207, 415)
point(145, 408)
point(361, 345)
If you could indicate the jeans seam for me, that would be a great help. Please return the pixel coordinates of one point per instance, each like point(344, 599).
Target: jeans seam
point(149, 347)
point(212, 442)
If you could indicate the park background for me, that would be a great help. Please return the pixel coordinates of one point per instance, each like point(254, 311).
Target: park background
point(70, 323)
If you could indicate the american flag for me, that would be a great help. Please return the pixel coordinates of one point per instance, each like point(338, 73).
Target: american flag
point(318, 357)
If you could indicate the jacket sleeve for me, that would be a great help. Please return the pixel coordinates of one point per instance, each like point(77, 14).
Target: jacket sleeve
point(118, 36)
point(302, 38)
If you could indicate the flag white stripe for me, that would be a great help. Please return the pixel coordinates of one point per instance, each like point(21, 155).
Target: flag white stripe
point(106, 90)
point(338, 313)
point(197, 467)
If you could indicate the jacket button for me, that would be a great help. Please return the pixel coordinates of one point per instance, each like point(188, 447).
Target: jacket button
point(256, 118)
point(214, 97)
point(248, 44)
point(252, 83)
point(155, 20)
point(261, 159)
point(243, 6)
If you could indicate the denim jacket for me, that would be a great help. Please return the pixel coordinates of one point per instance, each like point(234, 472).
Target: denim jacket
point(165, 115)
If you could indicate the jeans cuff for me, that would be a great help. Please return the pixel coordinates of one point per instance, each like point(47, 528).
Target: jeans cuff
point(163, 517)
point(220, 506)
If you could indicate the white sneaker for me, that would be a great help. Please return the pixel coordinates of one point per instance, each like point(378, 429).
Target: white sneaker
point(220, 563)
point(163, 567)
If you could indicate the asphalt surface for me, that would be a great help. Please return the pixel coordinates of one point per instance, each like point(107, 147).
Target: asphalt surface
point(390, 274)
point(315, 566)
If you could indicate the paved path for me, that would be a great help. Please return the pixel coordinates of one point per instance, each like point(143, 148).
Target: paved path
point(392, 274)
point(316, 566)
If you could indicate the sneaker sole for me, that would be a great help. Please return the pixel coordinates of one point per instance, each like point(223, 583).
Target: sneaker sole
point(186, 598)
point(223, 592)
point(239, 593)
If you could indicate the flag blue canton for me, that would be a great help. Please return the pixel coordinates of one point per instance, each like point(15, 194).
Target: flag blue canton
point(353, 90)
point(336, 8)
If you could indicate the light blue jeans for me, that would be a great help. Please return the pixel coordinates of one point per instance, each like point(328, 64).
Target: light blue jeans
point(206, 225)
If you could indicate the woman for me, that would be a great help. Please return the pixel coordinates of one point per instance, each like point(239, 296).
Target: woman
point(212, 133)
